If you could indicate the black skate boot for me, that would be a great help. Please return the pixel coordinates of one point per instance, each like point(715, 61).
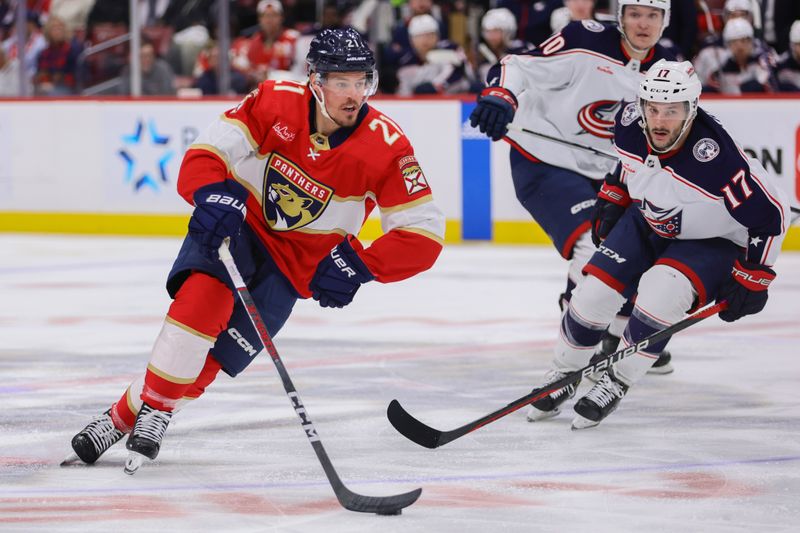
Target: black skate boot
point(146, 437)
point(547, 407)
point(600, 401)
point(93, 440)
point(609, 345)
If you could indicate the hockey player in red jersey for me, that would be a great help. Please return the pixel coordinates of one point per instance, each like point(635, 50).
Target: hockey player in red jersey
point(290, 175)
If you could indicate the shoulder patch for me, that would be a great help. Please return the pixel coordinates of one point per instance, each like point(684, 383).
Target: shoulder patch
point(412, 174)
point(593, 25)
point(629, 114)
point(705, 150)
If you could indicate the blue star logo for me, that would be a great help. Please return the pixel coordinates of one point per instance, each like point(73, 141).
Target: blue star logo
point(146, 157)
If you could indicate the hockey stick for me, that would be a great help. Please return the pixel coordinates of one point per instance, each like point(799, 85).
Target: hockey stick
point(571, 144)
point(426, 436)
point(384, 505)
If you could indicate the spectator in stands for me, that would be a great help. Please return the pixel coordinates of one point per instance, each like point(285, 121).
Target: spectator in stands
point(400, 45)
point(34, 44)
point(206, 72)
point(56, 64)
point(745, 71)
point(788, 69)
point(572, 10)
point(778, 17)
point(158, 78)
point(74, 13)
point(9, 74)
point(271, 49)
point(680, 37)
point(433, 66)
point(713, 52)
point(498, 32)
point(533, 18)
point(332, 18)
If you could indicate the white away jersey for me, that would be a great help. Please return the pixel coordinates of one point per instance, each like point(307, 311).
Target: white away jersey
point(707, 188)
point(570, 87)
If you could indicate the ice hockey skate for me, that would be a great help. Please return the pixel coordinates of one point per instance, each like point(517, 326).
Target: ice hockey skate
point(145, 440)
point(609, 345)
point(599, 402)
point(93, 440)
point(548, 407)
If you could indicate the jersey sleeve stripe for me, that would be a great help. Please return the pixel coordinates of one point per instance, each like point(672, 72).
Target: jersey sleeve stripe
point(422, 232)
point(243, 128)
point(407, 205)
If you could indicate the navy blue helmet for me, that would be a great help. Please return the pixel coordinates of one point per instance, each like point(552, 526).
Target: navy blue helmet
point(340, 50)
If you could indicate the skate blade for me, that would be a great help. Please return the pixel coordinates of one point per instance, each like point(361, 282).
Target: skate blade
point(666, 369)
point(580, 422)
point(72, 459)
point(133, 463)
point(535, 415)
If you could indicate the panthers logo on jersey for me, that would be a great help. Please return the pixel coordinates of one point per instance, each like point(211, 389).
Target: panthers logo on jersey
point(597, 118)
point(292, 199)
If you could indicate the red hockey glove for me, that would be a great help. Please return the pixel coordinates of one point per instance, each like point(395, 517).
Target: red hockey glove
point(612, 201)
point(746, 290)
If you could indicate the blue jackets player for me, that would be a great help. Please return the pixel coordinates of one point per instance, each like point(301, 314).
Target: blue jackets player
point(570, 88)
point(687, 218)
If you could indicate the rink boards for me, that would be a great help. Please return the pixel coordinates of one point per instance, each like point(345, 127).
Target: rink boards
point(110, 166)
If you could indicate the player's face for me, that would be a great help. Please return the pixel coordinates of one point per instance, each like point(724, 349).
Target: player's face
point(664, 122)
point(494, 38)
point(642, 25)
point(580, 9)
point(345, 92)
point(424, 43)
point(741, 49)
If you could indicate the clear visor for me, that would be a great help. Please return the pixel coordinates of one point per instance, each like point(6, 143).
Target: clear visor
point(357, 85)
point(672, 112)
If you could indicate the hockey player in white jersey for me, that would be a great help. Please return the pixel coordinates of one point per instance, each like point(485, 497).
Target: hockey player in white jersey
point(570, 88)
point(687, 218)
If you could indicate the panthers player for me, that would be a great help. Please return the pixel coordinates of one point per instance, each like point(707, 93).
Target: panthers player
point(290, 175)
point(686, 219)
point(570, 88)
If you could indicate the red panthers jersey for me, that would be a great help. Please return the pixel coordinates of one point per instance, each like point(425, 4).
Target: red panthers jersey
point(309, 191)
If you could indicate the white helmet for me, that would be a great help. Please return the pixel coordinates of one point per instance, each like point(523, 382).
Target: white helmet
point(500, 19)
point(794, 33)
point(737, 28)
point(737, 5)
point(664, 5)
point(670, 82)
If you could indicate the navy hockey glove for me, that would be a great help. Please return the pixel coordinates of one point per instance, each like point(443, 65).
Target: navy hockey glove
point(746, 290)
point(495, 110)
point(218, 213)
point(338, 276)
point(612, 201)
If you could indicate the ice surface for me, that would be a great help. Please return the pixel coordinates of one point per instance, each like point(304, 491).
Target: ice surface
point(714, 446)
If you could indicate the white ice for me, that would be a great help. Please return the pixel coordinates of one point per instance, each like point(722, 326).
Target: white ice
point(715, 446)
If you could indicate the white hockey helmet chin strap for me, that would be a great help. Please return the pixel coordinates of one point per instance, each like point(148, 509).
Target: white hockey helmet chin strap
point(669, 82)
point(663, 5)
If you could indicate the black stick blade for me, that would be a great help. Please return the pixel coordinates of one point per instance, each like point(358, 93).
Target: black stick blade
point(383, 505)
point(411, 428)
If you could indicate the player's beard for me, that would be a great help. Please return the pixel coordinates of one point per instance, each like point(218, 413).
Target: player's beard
point(345, 118)
point(670, 139)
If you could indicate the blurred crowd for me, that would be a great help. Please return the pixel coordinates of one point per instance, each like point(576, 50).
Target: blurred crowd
point(422, 46)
